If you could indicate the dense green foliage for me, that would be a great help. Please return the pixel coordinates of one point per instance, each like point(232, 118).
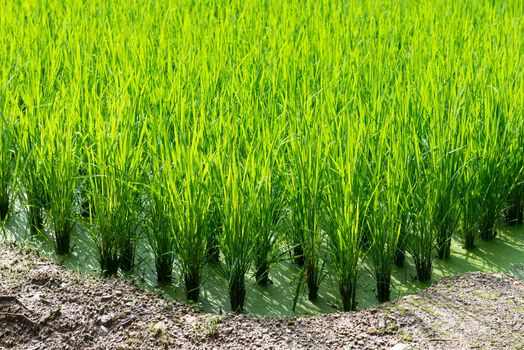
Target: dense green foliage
point(335, 133)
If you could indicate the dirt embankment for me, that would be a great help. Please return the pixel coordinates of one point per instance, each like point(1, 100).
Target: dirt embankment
point(44, 306)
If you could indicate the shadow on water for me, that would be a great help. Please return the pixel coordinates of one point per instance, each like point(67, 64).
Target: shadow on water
point(504, 254)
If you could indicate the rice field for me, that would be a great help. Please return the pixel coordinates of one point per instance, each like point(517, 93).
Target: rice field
point(209, 140)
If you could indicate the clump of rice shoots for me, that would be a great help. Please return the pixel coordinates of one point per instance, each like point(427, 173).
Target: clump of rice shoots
point(383, 223)
point(4, 202)
point(113, 171)
point(158, 207)
point(445, 163)
point(190, 202)
point(421, 233)
point(468, 173)
point(158, 230)
point(469, 202)
point(86, 206)
point(515, 205)
point(421, 246)
point(406, 209)
point(407, 168)
point(307, 191)
point(35, 210)
point(60, 171)
point(128, 163)
point(436, 190)
point(400, 254)
point(235, 179)
point(7, 162)
point(514, 179)
point(105, 225)
point(384, 233)
point(514, 173)
point(514, 214)
point(266, 221)
point(343, 202)
point(34, 188)
point(30, 177)
point(420, 191)
point(214, 233)
point(491, 146)
point(268, 213)
point(444, 154)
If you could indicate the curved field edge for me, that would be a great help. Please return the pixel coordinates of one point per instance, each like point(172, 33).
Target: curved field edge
point(53, 307)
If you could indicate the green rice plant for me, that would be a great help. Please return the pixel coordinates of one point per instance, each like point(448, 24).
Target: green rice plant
point(439, 158)
point(445, 163)
point(86, 207)
point(344, 199)
point(462, 108)
point(384, 232)
point(114, 172)
point(409, 171)
point(267, 218)
point(469, 207)
point(215, 231)
point(189, 203)
point(133, 221)
point(60, 171)
point(493, 198)
point(268, 213)
point(159, 232)
point(103, 230)
point(6, 148)
point(420, 241)
point(130, 176)
point(515, 207)
point(470, 197)
point(408, 160)
point(421, 245)
point(405, 218)
point(384, 222)
point(514, 175)
point(235, 178)
point(36, 199)
point(515, 212)
point(7, 163)
point(30, 172)
point(491, 145)
point(408, 203)
point(306, 188)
